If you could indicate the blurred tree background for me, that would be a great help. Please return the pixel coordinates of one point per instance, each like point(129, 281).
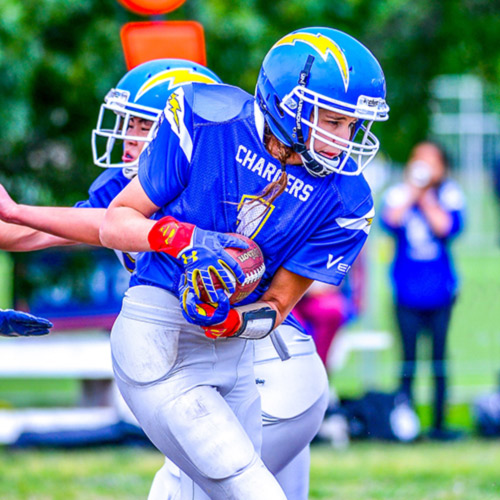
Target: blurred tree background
point(58, 58)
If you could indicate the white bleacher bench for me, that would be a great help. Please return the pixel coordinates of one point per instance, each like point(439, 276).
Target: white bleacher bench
point(83, 356)
point(367, 343)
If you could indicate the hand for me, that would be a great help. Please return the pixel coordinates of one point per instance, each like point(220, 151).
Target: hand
point(199, 313)
point(201, 253)
point(16, 323)
point(7, 205)
point(415, 193)
point(429, 199)
point(227, 328)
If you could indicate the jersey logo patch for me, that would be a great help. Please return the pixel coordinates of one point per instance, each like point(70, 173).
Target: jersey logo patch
point(332, 262)
point(252, 215)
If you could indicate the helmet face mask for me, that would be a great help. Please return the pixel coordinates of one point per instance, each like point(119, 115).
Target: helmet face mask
point(141, 94)
point(340, 75)
point(113, 125)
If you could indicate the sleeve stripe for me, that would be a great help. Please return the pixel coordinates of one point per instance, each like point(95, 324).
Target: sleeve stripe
point(175, 115)
point(356, 224)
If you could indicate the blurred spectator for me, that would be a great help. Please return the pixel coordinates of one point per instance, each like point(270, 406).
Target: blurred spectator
point(424, 214)
point(322, 311)
point(496, 184)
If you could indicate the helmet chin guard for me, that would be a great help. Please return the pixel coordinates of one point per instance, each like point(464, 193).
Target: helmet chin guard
point(339, 75)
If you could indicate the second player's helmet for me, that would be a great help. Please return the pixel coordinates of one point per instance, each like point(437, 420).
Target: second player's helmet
point(316, 68)
point(141, 93)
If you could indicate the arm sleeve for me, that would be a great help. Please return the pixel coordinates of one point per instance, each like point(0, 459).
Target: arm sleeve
point(452, 200)
point(164, 164)
point(329, 254)
point(393, 198)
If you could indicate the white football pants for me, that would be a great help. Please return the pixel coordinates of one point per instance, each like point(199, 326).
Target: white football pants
point(294, 396)
point(194, 397)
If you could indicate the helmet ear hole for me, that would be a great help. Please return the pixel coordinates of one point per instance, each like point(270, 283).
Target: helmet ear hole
point(277, 103)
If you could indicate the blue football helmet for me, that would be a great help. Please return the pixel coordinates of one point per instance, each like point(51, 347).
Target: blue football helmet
point(317, 68)
point(141, 93)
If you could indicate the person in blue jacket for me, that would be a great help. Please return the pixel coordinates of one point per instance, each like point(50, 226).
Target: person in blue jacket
point(424, 214)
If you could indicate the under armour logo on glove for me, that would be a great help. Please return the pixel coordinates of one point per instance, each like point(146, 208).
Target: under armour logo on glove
point(186, 258)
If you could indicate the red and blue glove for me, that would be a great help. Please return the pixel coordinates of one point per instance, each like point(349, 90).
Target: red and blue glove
point(202, 253)
point(227, 328)
point(18, 323)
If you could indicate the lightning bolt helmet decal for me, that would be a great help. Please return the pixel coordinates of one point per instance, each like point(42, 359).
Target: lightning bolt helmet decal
point(173, 78)
point(324, 46)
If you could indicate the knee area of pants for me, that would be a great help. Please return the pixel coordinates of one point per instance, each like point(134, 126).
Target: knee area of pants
point(254, 482)
point(208, 433)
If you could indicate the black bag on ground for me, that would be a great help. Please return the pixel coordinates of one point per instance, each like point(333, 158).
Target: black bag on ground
point(381, 415)
point(486, 411)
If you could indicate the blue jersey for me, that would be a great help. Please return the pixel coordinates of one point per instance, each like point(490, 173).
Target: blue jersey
point(101, 193)
point(208, 164)
point(423, 273)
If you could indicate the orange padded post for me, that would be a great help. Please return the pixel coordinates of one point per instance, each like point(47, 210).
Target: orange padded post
point(144, 41)
point(151, 7)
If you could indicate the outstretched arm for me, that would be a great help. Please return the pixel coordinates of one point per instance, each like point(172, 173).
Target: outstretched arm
point(395, 210)
point(14, 238)
point(69, 224)
point(438, 218)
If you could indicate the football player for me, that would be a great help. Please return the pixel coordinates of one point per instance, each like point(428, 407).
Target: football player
point(294, 393)
point(283, 168)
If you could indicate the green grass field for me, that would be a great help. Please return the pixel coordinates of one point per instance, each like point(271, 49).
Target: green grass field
point(365, 471)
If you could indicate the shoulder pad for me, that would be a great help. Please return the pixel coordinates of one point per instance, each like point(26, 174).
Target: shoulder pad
point(219, 102)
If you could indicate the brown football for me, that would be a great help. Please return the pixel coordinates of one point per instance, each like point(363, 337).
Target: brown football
point(251, 261)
